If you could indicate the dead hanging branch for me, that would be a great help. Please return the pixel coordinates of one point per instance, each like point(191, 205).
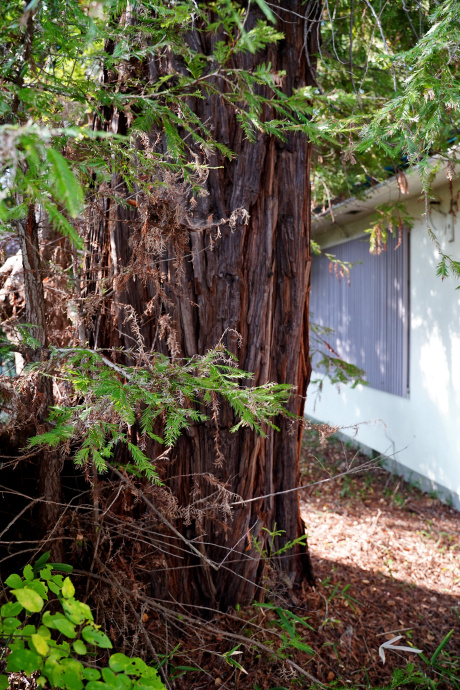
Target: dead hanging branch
point(164, 520)
point(192, 622)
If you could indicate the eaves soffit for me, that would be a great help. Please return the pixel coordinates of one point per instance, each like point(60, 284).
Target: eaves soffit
point(353, 209)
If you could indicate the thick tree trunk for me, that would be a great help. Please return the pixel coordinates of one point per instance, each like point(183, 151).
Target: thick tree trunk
point(49, 461)
point(254, 280)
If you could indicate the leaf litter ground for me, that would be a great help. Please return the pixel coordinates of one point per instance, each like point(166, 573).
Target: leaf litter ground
point(387, 561)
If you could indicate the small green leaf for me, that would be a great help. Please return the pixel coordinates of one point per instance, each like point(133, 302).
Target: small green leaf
point(28, 573)
point(44, 632)
point(109, 677)
point(48, 619)
point(62, 567)
point(72, 676)
point(119, 662)
point(124, 682)
point(139, 666)
point(67, 189)
point(43, 560)
point(96, 637)
point(52, 669)
point(65, 627)
point(441, 646)
point(59, 622)
point(12, 608)
point(91, 674)
point(28, 630)
point(45, 573)
point(39, 587)
point(54, 587)
point(77, 611)
point(16, 643)
point(4, 682)
point(29, 599)
point(68, 590)
point(14, 581)
point(266, 10)
point(79, 647)
point(10, 625)
point(62, 225)
point(40, 644)
point(23, 661)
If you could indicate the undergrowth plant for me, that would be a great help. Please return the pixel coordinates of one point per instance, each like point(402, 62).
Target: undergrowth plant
point(441, 670)
point(163, 396)
point(47, 632)
point(286, 622)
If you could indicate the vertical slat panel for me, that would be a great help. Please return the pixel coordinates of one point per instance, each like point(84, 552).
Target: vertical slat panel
point(369, 312)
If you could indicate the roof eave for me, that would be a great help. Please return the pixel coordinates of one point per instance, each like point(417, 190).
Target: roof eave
point(354, 209)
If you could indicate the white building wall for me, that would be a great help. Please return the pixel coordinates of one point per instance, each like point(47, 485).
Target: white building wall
point(421, 432)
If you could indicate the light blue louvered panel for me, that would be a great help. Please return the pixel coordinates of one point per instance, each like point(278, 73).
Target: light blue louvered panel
point(368, 312)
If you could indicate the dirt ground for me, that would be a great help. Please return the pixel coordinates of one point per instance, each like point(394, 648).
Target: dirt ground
point(387, 563)
point(387, 559)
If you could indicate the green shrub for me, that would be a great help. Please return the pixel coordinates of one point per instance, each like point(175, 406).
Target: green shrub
point(61, 646)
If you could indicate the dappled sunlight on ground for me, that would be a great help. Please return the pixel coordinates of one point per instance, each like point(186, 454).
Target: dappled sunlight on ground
point(380, 523)
point(423, 550)
point(387, 560)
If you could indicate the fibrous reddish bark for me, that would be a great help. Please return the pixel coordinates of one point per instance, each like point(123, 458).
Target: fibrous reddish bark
point(49, 461)
point(254, 280)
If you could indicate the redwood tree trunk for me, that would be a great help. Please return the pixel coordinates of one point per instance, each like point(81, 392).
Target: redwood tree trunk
point(254, 280)
point(49, 461)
